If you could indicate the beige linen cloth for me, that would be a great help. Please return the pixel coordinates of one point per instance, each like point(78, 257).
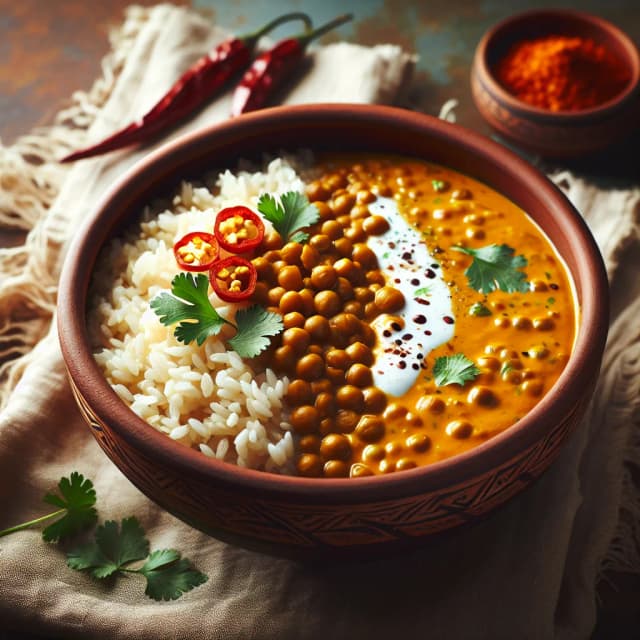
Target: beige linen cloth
point(528, 571)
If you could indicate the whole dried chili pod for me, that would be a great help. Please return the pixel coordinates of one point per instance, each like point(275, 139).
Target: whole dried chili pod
point(272, 68)
point(196, 85)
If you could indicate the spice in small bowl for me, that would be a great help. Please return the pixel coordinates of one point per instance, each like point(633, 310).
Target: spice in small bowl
point(558, 83)
point(562, 73)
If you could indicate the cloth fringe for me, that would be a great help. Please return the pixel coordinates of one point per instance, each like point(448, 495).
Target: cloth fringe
point(30, 180)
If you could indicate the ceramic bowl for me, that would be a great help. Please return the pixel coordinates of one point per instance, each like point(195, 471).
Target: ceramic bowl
point(305, 516)
point(564, 134)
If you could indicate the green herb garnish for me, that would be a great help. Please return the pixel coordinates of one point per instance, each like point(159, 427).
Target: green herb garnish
point(292, 213)
point(75, 507)
point(189, 304)
point(423, 291)
point(550, 302)
point(455, 369)
point(254, 325)
point(496, 267)
point(438, 185)
point(115, 548)
point(478, 309)
point(506, 367)
point(168, 576)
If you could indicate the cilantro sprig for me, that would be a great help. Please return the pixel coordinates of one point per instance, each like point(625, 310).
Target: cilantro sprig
point(496, 267)
point(115, 548)
point(189, 304)
point(290, 215)
point(455, 369)
point(76, 508)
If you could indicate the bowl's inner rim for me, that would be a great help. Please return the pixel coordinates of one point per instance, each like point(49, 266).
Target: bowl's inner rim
point(193, 150)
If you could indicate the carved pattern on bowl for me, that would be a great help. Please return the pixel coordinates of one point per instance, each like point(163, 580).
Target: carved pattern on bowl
point(309, 525)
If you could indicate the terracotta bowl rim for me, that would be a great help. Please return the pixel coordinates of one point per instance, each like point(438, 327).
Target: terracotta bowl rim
point(486, 77)
point(562, 399)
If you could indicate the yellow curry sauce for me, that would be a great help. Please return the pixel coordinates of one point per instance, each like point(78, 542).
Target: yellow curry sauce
point(331, 292)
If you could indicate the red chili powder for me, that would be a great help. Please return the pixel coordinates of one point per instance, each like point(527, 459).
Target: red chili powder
point(562, 73)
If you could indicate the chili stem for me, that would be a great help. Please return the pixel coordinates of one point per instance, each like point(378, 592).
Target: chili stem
point(336, 22)
point(26, 525)
point(296, 15)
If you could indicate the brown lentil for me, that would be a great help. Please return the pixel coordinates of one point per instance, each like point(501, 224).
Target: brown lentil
point(309, 465)
point(335, 445)
point(305, 419)
point(389, 299)
point(370, 428)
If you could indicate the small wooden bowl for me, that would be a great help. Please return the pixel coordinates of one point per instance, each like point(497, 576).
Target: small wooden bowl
point(560, 134)
point(309, 516)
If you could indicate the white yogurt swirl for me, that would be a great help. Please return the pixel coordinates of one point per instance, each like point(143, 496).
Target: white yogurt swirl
point(426, 320)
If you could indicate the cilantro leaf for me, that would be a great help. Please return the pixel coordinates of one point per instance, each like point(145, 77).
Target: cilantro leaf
point(254, 325)
point(478, 309)
point(189, 304)
point(114, 548)
point(89, 556)
point(300, 237)
point(495, 267)
point(78, 499)
point(122, 546)
point(439, 185)
point(455, 369)
point(75, 507)
point(292, 213)
point(422, 291)
point(169, 576)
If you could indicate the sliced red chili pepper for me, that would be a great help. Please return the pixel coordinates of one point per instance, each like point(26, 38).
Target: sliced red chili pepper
point(197, 251)
point(238, 229)
point(194, 87)
point(270, 69)
point(233, 279)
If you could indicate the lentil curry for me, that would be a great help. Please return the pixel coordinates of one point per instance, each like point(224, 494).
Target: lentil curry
point(342, 312)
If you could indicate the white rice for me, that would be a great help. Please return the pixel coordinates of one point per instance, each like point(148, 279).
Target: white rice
point(204, 397)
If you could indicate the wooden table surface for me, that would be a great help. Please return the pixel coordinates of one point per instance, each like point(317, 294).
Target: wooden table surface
point(51, 48)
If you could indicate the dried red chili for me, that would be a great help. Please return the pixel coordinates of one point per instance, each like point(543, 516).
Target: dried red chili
point(199, 83)
point(196, 251)
point(238, 229)
point(269, 70)
point(233, 279)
